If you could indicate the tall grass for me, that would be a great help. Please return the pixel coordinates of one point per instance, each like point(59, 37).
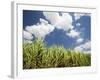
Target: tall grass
point(37, 55)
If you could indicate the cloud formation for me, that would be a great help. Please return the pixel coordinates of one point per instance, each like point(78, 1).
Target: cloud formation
point(78, 24)
point(40, 30)
point(60, 21)
point(79, 40)
point(73, 34)
point(79, 15)
point(63, 21)
point(86, 47)
point(27, 37)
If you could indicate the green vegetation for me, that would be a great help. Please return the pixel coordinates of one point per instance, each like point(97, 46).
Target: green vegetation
point(37, 55)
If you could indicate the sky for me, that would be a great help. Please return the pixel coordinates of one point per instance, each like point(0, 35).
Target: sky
point(70, 29)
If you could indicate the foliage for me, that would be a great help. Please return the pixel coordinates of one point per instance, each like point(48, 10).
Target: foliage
point(37, 55)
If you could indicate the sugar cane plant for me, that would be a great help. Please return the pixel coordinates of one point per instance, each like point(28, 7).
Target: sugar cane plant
point(38, 55)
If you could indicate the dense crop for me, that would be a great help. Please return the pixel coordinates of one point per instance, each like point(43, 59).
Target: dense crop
point(38, 55)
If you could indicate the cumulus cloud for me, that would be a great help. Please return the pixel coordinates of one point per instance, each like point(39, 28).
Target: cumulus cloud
point(78, 24)
point(43, 21)
point(79, 40)
point(73, 34)
point(86, 47)
point(51, 16)
point(41, 29)
point(79, 15)
point(27, 35)
point(63, 21)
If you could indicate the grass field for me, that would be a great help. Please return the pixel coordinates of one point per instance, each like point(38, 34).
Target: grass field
point(38, 55)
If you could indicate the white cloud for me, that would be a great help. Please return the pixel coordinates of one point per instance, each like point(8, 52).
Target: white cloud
point(41, 29)
point(63, 21)
point(79, 40)
point(27, 35)
point(79, 15)
point(51, 16)
point(86, 47)
point(43, 21)
point(73, 34)
point(78, 24)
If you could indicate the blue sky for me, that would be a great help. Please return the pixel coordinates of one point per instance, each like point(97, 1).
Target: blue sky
point(70, 29)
